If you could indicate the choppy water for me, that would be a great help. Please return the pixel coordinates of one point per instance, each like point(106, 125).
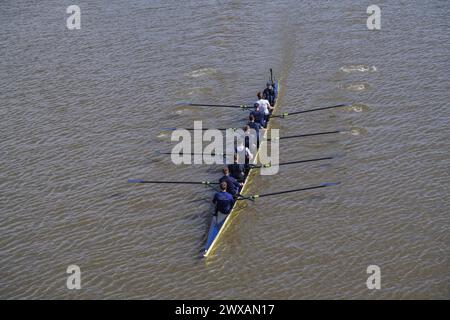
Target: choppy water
point(82, 112)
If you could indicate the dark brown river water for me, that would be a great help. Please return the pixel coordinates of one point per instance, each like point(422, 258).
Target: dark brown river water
point(83, 110)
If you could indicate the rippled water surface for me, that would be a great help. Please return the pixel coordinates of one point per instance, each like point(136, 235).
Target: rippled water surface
point(83, 110)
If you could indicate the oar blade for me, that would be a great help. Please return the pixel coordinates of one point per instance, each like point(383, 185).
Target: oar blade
point(329, 184)
point(135, 181)
point(183, 103)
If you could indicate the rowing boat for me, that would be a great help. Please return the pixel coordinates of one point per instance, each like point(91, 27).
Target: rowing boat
point(220, 224)
point(218, 227)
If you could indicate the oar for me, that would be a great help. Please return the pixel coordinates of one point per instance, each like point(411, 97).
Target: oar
point(253, 166)
point(308, 135)
point(253, 197)
point(200, 154)
point(170, 182)
point(269, 139)
point(242, 106)
point(285, 114)
point(192, 129)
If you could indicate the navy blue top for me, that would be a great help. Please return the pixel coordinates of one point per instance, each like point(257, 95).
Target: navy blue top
point(269, 95)
point(224, 202)
point(232, 184)
point(260, 117)
point(255, 125)
point(237, 171)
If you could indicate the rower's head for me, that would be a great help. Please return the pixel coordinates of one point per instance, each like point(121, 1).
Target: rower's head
point(223, 186)
point(226, 171)
point(251, 118)
point(259, 95)
point(256, 105)
point(268, 85)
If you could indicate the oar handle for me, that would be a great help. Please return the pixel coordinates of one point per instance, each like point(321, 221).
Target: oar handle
point(242, 197)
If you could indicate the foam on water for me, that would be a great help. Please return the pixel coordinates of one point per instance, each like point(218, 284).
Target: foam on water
point(203, 72)
point(355, 87)
point(358, 68)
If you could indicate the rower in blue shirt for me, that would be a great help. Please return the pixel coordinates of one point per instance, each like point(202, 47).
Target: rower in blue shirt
point(259, 115)
point(255, 126)
point(237, 170)
point(223, 200)
point(232, 184)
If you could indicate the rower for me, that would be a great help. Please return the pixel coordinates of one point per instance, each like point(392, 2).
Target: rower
point(255, 126)
point(247, 140)
point(224, 203)
point(264, 104)
point(247, 153)
point(237, 170)
point(269, 93)
point(259, 115)
point(232, 185)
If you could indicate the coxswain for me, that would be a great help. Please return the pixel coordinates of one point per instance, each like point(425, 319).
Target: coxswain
point(224, 202)
point(269, 93)
point(232, 185)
